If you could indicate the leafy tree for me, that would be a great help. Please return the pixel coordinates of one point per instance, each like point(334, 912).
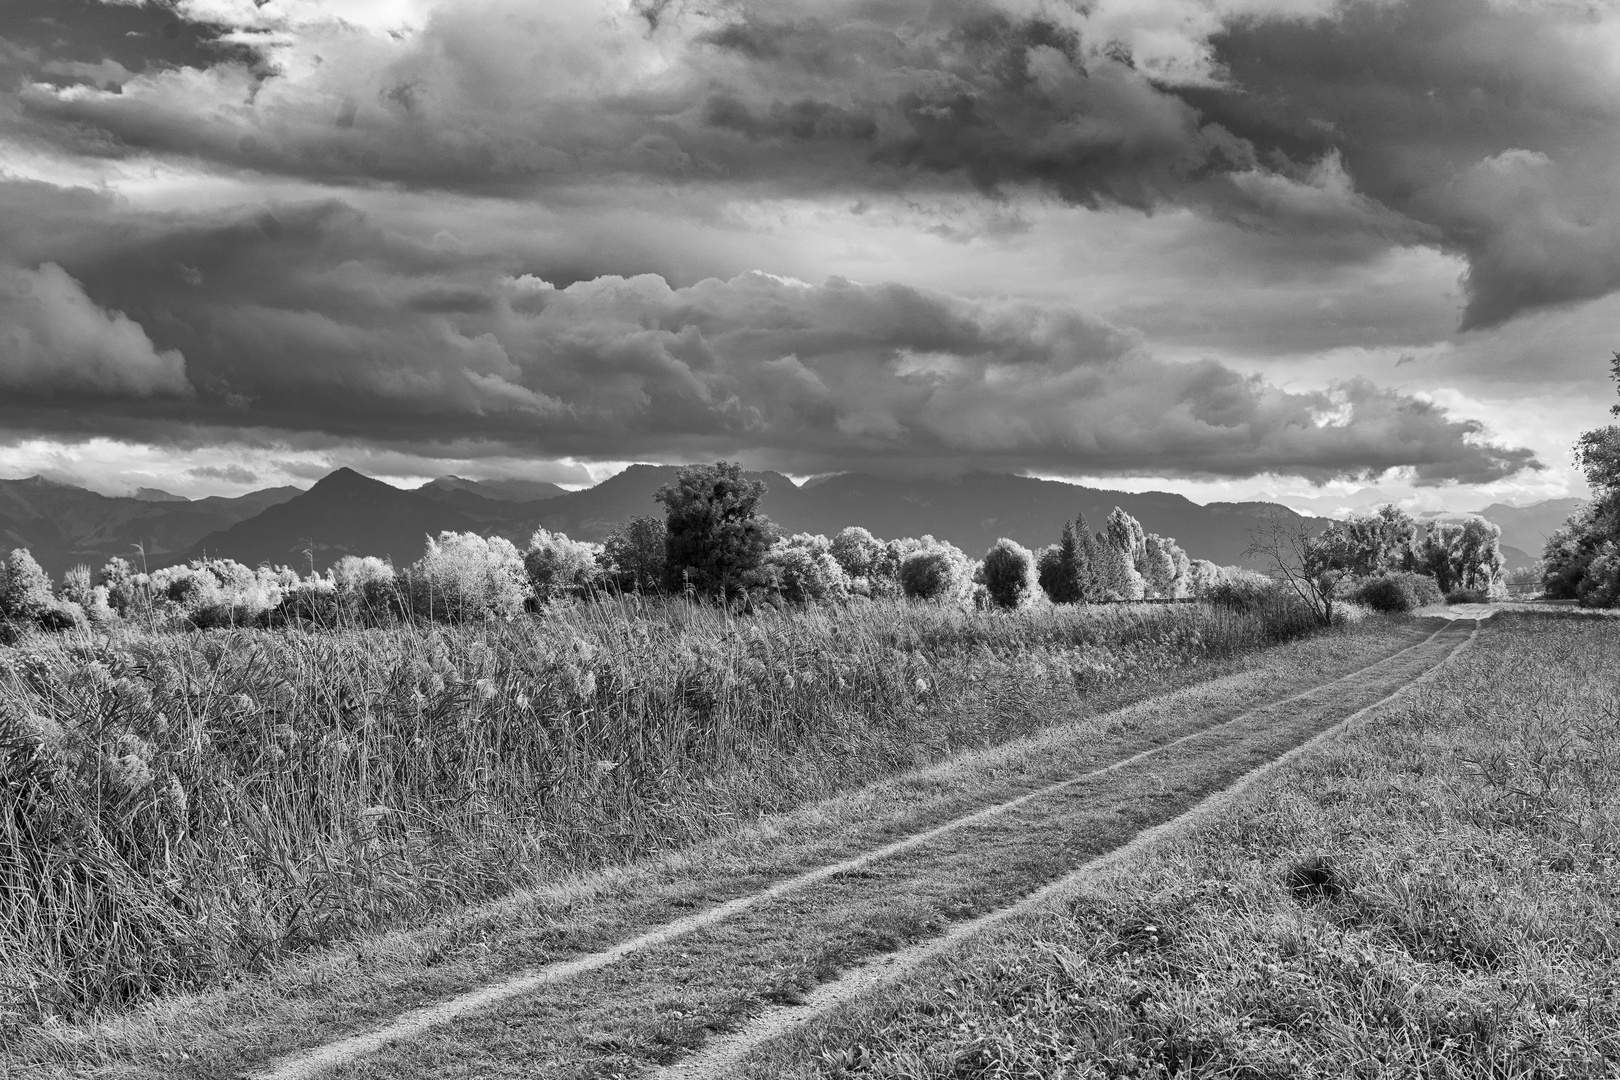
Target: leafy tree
point(1463, 555)
point(858, 552)
point(557, 566)
point(805, 571)
point(25, 588)
point(1008, 574)
point(1118, 545)
point(935, 571)
point(716, 536)
point(1584, 546)
point(1164, 568)
point(634, 554)
point(1066, 575)
point(1384, 542)
point(464, 576)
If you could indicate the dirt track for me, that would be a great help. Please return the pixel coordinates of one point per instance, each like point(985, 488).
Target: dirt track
point(694, 994)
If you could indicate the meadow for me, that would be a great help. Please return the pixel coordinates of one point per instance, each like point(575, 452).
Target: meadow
point(186, 808)
point(1431, 895)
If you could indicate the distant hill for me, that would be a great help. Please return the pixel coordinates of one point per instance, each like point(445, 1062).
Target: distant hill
point(1527, 527)
point(509, 490)
point(347, 513)
point(62, 525)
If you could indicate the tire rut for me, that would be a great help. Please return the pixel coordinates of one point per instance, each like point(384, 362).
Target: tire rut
point(722, 1054)
point(318, 1060)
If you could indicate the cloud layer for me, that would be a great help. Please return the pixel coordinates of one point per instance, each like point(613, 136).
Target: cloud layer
point(1332, 135)
point(313, 319)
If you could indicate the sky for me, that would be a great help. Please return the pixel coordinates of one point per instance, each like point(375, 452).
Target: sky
point(1309, 250)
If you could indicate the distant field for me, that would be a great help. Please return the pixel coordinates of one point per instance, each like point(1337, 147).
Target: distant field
point(1461, 922)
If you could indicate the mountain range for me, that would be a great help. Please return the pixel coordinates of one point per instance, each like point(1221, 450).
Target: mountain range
point(346, 513)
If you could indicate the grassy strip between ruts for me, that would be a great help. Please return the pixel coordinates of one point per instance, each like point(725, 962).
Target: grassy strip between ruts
point(1434, 895)
point(349, 989)
point(655, 1005)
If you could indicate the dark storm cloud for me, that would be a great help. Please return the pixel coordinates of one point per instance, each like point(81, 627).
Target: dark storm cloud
point(1485, 128)
point(856, 95)
point(328, 326)
point(90, 42)
point(1493, 124)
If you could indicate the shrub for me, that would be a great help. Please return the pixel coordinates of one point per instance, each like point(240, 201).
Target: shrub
point(1397, 593)
point(1008, 574)
point(25, 588)
point(804, 570)
point(937, 572)
point(367, 588)
point(858, 552)
point(1467, 596)
point(464, 576)
point(1600, 586)
point(558, 567)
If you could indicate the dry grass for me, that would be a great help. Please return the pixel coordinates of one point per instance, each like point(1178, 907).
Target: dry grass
point(184, 809)
point(1433, 896)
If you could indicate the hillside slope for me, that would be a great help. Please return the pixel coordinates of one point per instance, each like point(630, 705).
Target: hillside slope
point(62, 525)
point(347, 513)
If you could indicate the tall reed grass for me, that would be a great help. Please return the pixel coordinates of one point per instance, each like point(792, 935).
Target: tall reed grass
point(183, 807)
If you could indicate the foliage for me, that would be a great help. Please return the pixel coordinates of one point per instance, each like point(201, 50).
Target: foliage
point(1008, 574)
point(1464, 555)
point(1383, 542)
point(1585, 544)
point(634, 555)
point(715, 535)
point(859, 553)
point(466, 577)
point(557, 566)
point(1397, 592)
point(25, 588)
point(936, 570)
point(1164, 568)
point(804, 570)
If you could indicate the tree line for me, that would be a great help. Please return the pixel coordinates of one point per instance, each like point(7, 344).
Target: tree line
point(1581, 560)
point(713, 543)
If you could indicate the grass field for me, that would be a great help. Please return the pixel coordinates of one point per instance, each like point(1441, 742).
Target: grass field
point(345, 989)
point(1433, 895)
point(185, 809)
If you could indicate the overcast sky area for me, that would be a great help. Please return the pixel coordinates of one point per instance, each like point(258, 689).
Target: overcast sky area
point(1220, 247)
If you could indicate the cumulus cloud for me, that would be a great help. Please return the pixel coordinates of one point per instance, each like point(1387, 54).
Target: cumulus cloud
point(1369, 122)
point(55, 341)
point(848, 95)
point(331, 324)
point(1490, 124)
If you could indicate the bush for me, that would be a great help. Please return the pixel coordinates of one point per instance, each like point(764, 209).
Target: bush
point(1397, 593)
point(1008, 574)
point(858, 552)
point(803, 569)
point(464, 577)
point(1600, 586)
point(25, 588)
point(937, 572)
point(1468, 596)
point(558, 566)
